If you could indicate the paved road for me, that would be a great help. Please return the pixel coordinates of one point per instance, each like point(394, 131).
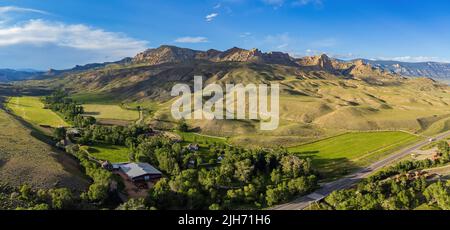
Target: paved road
point(346, 182)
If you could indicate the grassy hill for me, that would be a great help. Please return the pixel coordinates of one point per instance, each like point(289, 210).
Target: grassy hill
point(26, 160)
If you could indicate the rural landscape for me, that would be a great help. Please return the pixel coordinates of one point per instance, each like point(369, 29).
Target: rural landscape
point(354, 133)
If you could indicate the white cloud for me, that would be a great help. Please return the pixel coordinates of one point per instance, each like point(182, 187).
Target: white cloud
point(281, 42)
point(9, 9)
point(191, 40)
point(324, 43)
point(411, 59)
point(40, 32)
point(245, 35)
point(282, 46)
point(7, 13)
point(211, 17)
point(279, 3)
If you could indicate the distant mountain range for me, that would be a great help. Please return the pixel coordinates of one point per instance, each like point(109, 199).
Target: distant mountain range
point(172, 54)
point(436, 70)
point(7, 75)
point(150, 74)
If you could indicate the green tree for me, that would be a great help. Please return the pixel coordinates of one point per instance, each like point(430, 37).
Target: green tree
point(438, 193)
point(133, 204)
point(59, 133)
point(183, 126)
point(61, 198)
point(25, 192)
point(294, 166)
point(243, 170)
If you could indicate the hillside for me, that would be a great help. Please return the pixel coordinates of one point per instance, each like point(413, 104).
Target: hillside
point(26, 160)
point(320, 96)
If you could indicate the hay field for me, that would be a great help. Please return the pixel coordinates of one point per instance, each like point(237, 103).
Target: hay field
point(32, 110)
point(113, 112)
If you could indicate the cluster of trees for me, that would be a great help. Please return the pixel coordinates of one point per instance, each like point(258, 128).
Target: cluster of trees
point(240, 177)
point(391, 189)
point(114, 135)
point(72, 111)
point(160, 152)
point(98, 191)
point(438, 194)
point(380, 195)
point(26, 198)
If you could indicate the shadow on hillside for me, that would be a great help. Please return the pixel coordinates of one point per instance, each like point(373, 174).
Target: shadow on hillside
point(11, 90)
point(91, 113)
point(331, 168)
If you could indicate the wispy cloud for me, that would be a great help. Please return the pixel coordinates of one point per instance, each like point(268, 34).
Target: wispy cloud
point(279, 3)
point(8, 13)
point(281, 42)
point(40, 32)
point(191, 40)
point(307, 2)
point(245, 35)
point(411, 59)
point(10, 9)
point(211, 17)
point(324, 43)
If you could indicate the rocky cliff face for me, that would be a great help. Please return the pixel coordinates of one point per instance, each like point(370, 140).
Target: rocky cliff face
point(171, 54)
point(322, 62)
point(165, 54)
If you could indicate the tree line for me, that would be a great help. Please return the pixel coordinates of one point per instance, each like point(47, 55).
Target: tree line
point(68, 108)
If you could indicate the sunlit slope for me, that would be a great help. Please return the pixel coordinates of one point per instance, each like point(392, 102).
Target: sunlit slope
point(32, 110)
point(25, 160)
point(333, 106)
point(315, 102)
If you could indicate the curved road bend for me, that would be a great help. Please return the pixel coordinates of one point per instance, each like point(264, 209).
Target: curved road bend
point(346, 182)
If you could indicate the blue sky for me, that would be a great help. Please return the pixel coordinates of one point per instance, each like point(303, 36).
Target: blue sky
point(62, 33)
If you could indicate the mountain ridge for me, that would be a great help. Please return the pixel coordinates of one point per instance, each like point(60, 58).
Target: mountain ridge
point(7, 75)
point(437, 70)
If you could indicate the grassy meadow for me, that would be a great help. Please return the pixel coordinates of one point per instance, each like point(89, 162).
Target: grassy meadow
point(341, 154)
point(113, 112)
point(201, 139)
point(111, 153)
point(32, 110)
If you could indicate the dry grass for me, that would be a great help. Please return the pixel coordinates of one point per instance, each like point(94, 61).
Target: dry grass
point(24, 159)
